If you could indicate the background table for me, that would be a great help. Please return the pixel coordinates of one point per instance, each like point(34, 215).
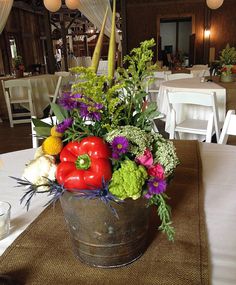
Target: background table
point(230, 92)
point(42, 86)
point(195, 112)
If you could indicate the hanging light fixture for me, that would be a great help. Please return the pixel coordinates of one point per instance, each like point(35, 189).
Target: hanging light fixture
point(52, 5)
point(214, 4)
point(55, 5)
point(72, 4)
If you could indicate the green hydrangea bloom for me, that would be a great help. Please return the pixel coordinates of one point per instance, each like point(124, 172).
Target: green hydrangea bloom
point(165, 154)
point(128, 180)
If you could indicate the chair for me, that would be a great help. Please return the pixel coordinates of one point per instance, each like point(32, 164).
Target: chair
point(152, 90)
point(87, 61)
point(62, 82)
point(35, 139)
point(56, 92)
point(18, 91)
point(193, 126)
point(154, 82)
point(229, 127)
point(102, 67)
point(178, 76)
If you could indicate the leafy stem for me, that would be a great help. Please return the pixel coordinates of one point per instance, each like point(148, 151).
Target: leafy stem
point(164, 213)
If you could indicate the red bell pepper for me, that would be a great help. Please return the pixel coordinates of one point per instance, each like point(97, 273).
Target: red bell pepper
point(84, 164)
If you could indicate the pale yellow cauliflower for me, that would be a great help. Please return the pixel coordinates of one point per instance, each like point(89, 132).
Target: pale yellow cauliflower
point(39, 169)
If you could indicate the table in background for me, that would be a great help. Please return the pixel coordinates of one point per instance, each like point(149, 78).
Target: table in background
point(195, 112)
point(230, 92)
point(159, 76)
point(218, 166)
point(42, 86)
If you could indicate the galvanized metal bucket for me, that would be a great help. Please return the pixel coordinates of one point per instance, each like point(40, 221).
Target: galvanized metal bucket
point(101, 239)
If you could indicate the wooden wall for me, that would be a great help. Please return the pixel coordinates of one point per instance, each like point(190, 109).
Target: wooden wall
point(141, 22)
point(27, 28)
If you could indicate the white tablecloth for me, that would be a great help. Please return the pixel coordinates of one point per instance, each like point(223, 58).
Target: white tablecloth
point(12, 164)
point(42, 86)
point(218, 164)
point(195, 112)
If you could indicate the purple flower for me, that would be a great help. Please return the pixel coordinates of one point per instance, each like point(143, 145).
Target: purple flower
point(155, 186)
point(119, 146)
point(68, 102)
point(91, 111)
point(115, 155)
point(63, 126)
point(84, 110)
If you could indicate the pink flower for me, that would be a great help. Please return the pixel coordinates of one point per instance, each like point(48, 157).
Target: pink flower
point(156, 171)
point(146, 159)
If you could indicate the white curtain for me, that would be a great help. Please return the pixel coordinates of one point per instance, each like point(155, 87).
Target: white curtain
point(5, 9)
point(94, 11)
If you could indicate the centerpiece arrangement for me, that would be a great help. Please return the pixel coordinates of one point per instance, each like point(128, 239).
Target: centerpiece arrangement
point(18, 66)
point(104, 162)
point(227, 62)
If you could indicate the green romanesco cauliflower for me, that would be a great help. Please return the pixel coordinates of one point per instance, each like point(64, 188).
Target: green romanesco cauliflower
point(128, 180)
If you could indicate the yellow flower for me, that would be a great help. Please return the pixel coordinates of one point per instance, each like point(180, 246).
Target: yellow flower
point(54, 133)
point(52, 145)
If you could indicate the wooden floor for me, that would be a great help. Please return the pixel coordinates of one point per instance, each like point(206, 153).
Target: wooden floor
point(16, 138)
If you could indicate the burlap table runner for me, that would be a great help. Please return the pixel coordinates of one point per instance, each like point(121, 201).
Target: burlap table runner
point(43, 253)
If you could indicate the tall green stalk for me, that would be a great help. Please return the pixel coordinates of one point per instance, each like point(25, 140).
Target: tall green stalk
point(98, 48)
point(112, 45)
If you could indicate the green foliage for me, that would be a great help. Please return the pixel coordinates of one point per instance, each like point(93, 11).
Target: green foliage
point(95, 89)
point(164, 213)
point(17, 61)
point(124, 101)
point(41, 128)
point(59, 112)
point(135, 78)
point(228, 55)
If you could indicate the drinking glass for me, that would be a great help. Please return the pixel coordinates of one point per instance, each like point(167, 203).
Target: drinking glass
point(5, 210)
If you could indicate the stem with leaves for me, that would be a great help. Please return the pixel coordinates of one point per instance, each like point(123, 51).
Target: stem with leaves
point(164, 213)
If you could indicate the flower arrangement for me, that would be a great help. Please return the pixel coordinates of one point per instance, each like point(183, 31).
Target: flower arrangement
point(226, 70)
point(18, 63)
point(228, 55)
point(103, 146)
point(104, 141)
